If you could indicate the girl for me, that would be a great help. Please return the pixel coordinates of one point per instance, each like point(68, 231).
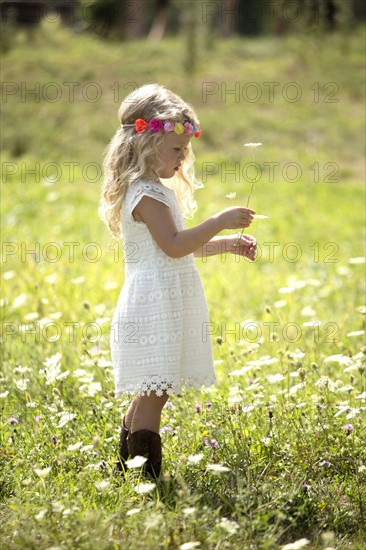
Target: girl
point(157, 339)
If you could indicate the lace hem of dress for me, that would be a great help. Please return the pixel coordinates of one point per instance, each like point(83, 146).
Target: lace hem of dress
point(160, 385)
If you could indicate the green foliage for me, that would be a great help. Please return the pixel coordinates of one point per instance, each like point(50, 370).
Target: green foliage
point(288, 415)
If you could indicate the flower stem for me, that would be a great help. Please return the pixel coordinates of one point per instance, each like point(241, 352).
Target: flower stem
point(251, 189)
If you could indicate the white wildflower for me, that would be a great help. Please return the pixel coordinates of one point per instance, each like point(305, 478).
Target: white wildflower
point(78, 280)
point(355, 333)
point(21, 384)
point(296, 388)
point(43, 472)
point(234, 399)
point(219, 468)
point(341, 410)
point(136, 462)
point(75, 446)
point(308, 311)
point(229, 526)
point(65, 417)
point(102, 485)
point(190, 545)
point(253, 387)
point(339, 359)
point(286, 290)
point(111, 285)
point(133, 511)
point(102, 320)
point(312, 324)
point(248, 408)
point(353, 413)
point(100, 309)
point(51, 279)
point(297, 545)
point(240, 372)
point(264, 361)
point(52, 368)
point(357, 261)
point(58, 315)
point(345, 388)
point(40, 515)
point(103, 363)
point(297, 355)
point(32, 316)
point(91, 389)
point(195, 459)
point(326, 382)
point(189, 511)
point(20, 300)
point(144, 488)
point(87, 448)
point(273, 378)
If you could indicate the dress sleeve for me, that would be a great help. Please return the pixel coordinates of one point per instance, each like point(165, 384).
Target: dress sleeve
point(143, 189)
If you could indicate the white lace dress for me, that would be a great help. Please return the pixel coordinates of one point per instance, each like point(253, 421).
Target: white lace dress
point(160, 333)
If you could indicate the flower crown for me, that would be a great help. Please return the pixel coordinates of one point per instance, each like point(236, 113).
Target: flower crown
point(155, 125)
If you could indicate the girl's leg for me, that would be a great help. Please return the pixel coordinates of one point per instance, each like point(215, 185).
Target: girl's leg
point(123, 451)
point(143, 438)
point(146, 413)
point(130, 412)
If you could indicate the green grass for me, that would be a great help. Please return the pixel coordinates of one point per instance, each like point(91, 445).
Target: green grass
point(294, 470)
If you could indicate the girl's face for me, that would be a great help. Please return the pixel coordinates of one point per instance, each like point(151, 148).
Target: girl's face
point(171, 154)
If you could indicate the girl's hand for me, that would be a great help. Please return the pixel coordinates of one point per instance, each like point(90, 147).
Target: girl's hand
point(245, 246)
point(235, 217)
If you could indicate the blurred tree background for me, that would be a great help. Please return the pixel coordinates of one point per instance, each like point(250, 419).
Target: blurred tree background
point(155, 19)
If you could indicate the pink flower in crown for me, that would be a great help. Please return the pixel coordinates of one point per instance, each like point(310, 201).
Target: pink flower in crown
point(188, 128)
point(168, 126)
point(155, 125)
point(178, 128)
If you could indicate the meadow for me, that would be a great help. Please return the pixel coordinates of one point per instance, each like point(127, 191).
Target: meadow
point(275, 456)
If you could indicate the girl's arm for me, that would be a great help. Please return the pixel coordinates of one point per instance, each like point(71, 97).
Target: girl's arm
point(159, 220)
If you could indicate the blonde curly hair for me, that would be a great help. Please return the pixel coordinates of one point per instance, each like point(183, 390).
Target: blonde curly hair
point(131, 156)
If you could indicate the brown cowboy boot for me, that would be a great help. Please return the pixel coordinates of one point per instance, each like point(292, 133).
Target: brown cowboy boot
point(147, 444)
point(120, 465)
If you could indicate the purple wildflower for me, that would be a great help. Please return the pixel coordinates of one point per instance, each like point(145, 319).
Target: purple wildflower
point(211, 443)
point(166, 430)
point(349, 428)
point(326, 463)
point(197, 409)
point(305, 486)
point(54, 439)
point(38, 418)
point(169, 405)
point(208, 404)
point(13, 420)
